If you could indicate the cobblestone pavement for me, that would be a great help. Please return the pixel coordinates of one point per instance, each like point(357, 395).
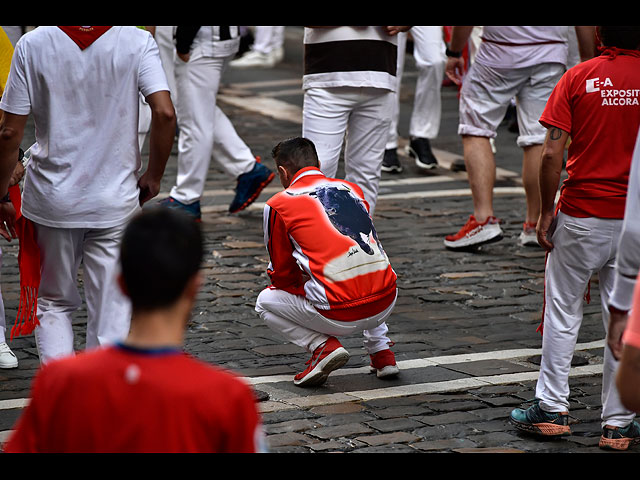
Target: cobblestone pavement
point(464, 326)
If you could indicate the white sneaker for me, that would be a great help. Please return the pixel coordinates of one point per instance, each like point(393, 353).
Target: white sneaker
point(7, 357)
point(258, 59)
point(528, 236)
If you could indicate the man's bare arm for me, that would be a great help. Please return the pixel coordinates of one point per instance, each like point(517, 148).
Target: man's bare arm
point(162, 133)
point(550, 171)
point(628, 378)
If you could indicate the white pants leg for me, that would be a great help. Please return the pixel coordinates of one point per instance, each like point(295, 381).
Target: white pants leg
point(109, 312)
point(392, 139)
point(360, 118)
point(293, 317)
point(582, 247)
point(429, 53)
point(201, 121)
point(108, 309)
point(229, 150)
point(267, 39)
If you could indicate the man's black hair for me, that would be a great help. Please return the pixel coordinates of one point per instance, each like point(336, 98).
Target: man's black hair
point(295, 154)
point(161, 250)
point(621, 37)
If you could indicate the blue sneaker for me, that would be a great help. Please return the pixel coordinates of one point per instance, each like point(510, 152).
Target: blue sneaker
point(620, 438)
point(537, 421)
point(193, 209)
point(250, 185)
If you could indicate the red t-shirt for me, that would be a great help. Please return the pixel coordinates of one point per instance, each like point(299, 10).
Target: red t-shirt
point(122, 400)
point(598, 103)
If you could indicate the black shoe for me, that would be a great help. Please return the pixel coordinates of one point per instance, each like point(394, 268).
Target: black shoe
point(390, 162)
point(420, 149)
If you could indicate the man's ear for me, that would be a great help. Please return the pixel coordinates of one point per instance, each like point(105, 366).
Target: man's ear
point(284, 176)
point(194, 285)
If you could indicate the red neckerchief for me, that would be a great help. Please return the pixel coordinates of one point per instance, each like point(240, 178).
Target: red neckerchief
point(84, 36)
point(613, 52)
point(29, 267)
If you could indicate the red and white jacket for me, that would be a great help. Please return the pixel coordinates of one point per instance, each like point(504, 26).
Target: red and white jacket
point(323, 245)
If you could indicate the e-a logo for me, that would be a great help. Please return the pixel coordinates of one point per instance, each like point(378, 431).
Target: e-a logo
point(594, 84)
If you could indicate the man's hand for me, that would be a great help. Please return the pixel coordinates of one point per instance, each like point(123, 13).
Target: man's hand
point(17, 174)
point(455, 69)
point(542, 230)
point(617, 325)
point(149, 187)
point(396, 30)
point(184, 57)
point(8, 221)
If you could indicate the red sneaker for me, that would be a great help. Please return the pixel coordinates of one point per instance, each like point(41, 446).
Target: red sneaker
point(328, 357)
point(384, 364)
point(475, 234)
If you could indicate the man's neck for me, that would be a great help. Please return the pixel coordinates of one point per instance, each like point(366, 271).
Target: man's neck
point(156, 329)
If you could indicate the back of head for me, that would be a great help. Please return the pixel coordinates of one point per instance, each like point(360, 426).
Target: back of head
point(161, 251)
point(295, 154)
point(621, 37)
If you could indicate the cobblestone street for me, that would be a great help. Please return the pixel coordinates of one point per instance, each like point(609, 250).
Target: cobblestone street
point(464, 326)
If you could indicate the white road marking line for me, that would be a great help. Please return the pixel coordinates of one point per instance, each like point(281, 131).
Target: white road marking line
point(414, 389)
point(447, 386)
point(435, 361)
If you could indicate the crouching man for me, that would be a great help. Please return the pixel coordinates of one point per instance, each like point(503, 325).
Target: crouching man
point(329, 274)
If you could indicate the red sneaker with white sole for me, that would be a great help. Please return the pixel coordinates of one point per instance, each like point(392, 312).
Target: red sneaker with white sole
point(328, 357)
point(384, 364)
point(474, 234)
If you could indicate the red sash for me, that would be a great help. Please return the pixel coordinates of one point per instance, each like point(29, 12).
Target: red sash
point(29, 265)
point(84, 36)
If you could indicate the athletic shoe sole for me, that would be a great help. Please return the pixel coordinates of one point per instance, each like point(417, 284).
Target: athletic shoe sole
point(386, 372)
point(617, 443)
point(255, 195)
point(528, 240)
point(391, 169)
point(320, 373)
point(419, 164)
point(544, 429)
point(482, 238)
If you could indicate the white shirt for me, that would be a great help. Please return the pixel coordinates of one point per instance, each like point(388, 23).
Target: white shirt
point(85, 163)
point(521, 47)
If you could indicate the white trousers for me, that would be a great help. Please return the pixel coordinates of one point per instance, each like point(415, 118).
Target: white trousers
point(201, 122)
point(229, 150)
point(293, 317)
point(267, 39)
point(108, 310)
point(358, 117)
point(429, 54)
point(582, 248)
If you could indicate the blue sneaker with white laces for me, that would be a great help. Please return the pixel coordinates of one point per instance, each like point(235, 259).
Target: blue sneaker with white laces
point(192, 209)
point(250, 185)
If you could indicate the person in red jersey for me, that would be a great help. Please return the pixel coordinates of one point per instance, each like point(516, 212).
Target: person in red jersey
point(597, 105)
point(144, 394)
point(329, 273)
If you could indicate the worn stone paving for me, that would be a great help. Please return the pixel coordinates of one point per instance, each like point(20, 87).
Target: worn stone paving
point(450, 303)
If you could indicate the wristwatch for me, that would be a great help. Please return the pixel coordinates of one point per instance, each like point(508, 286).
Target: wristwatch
point(452, 54)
